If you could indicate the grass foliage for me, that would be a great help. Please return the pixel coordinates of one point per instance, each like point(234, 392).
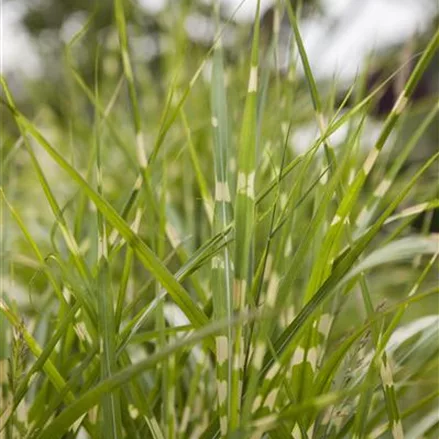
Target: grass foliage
point(173, 266)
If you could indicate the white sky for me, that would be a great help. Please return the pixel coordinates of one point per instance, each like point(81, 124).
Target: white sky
point(17, 52)
point(337, 42)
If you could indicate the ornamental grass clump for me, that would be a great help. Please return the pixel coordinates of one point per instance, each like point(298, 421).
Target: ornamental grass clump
point(173, 267)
